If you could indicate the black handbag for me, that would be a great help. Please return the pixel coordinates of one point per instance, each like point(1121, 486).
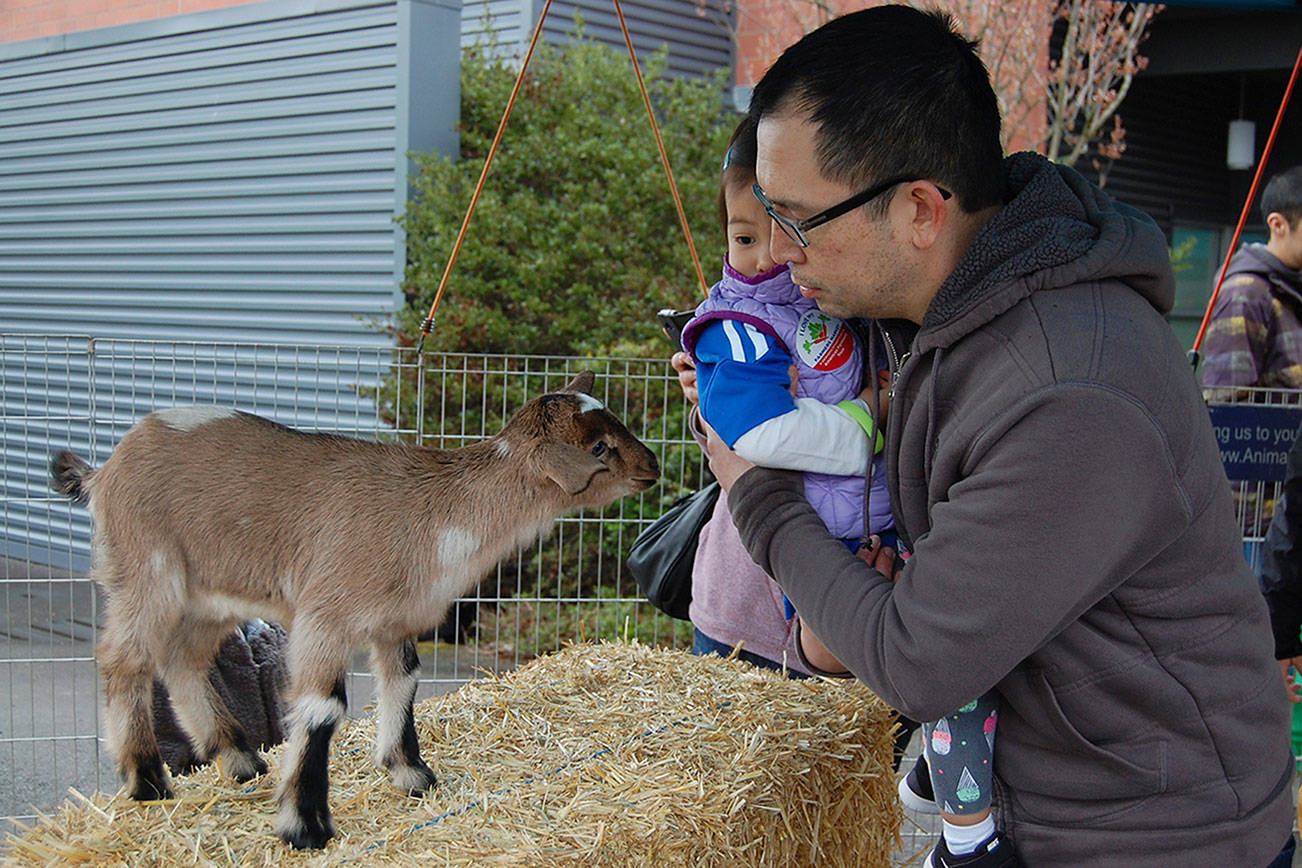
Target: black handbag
point(661, 557)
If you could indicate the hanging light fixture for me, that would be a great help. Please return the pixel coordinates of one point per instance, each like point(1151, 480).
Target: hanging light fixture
point(1241, 143)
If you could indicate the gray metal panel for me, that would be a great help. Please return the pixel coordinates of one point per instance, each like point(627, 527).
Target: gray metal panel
point(229, 177)
point(697, 45)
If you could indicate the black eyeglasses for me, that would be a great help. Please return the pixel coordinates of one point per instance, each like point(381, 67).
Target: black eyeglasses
point(796, 229)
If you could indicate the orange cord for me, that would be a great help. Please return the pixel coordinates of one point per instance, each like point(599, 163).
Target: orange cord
point(492, 151)
point(664, 158)
point(479, 186)
point(1247, 207)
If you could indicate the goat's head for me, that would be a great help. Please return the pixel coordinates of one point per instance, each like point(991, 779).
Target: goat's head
point(571, 439)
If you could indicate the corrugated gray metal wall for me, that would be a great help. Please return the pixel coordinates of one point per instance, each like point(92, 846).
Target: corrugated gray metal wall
point(697, 45)
point(229, 176)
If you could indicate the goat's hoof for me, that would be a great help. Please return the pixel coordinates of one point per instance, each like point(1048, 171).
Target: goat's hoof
point(149, 782)
point(306, 833)
point(413, 780)
point(147, 791)
point(244, 766)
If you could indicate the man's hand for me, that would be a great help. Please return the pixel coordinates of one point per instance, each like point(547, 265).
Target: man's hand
point(881, 558)
point(1290, 682)
point(725, 464)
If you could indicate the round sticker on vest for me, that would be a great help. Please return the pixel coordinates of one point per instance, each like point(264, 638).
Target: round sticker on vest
point(823, 342)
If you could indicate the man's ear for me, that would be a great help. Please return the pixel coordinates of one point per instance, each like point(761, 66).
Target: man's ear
point(927, 213)
point(1277, 225)
point(568, 466)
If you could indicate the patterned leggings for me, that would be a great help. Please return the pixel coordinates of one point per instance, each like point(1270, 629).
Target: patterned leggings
point(960, 751)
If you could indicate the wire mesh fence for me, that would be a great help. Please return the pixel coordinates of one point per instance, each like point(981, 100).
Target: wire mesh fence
point(83, 394)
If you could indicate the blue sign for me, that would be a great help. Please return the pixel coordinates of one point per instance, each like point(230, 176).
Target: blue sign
point(1255, 439)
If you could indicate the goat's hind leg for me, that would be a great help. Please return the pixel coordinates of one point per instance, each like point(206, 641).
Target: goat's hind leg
point(126, 666)
point(397, 749)
point(213, 730)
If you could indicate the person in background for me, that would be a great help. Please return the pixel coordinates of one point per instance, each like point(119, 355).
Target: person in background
point(1254, 338)
point(1051, 464)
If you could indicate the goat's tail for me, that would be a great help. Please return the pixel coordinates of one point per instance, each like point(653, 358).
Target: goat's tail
point(69, 475)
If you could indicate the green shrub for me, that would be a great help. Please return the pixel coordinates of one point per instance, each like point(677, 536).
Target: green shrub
point(575, 241)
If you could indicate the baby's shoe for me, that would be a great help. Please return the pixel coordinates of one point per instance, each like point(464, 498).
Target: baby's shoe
point(993, 853)
point(915, 789)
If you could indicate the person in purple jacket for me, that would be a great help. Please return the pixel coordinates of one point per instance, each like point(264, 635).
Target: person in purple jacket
point(734, 603)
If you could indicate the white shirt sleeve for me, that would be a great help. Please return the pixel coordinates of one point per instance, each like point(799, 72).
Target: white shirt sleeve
point(814, 437)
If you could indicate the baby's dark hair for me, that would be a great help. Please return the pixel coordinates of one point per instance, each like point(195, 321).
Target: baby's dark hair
point(738, 165)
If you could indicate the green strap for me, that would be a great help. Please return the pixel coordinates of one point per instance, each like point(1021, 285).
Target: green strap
point(860, 415)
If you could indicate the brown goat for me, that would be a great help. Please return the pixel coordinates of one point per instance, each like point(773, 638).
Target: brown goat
point(205, 516)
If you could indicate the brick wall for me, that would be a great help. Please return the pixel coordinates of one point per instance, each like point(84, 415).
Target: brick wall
point(28, 19)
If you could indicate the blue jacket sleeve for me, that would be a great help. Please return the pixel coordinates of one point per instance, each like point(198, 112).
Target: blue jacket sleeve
point(742, 377)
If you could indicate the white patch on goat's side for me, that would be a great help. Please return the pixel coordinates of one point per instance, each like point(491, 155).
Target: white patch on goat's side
point(589, 403)
point(166, 578)
point(189, 418)
point(314, 712)
point(456, 546)
point(501, 447)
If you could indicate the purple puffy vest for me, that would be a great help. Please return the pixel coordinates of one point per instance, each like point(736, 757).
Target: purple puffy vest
point(830, 364)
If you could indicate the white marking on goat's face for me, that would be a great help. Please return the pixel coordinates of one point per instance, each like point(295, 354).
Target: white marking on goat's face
point(456, 546)
point(189, 418)
point(589, 403)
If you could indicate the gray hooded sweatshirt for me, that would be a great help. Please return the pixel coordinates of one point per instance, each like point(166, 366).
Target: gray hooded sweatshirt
point(1053, 470)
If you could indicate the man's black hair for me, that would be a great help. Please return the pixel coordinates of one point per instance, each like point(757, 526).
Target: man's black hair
point(1283, 195)
point(894, 91)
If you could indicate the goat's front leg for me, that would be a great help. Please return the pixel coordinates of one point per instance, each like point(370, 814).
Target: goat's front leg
point(317, 666)
point(395, 665)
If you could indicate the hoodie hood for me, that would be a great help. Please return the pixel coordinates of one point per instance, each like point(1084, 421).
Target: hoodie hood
point(1256, 260)
point(1057, 229)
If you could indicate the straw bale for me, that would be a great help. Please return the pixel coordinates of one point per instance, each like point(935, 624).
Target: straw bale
point(601, 754)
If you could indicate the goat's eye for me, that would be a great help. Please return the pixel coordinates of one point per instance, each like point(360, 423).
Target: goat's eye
point(599, 449)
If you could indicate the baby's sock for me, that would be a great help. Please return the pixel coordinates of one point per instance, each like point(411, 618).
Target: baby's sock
point(962, 840)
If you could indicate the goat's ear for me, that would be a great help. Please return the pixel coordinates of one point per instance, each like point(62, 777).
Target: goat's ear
point(583, 383)
point(568, 466)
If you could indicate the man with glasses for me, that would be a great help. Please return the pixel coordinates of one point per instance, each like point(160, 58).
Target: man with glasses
point(1051, 464)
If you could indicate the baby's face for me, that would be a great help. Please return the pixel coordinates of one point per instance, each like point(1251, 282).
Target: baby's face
point(748, 230)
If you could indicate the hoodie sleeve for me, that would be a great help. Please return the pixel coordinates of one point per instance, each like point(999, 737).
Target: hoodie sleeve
point(978, 596)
